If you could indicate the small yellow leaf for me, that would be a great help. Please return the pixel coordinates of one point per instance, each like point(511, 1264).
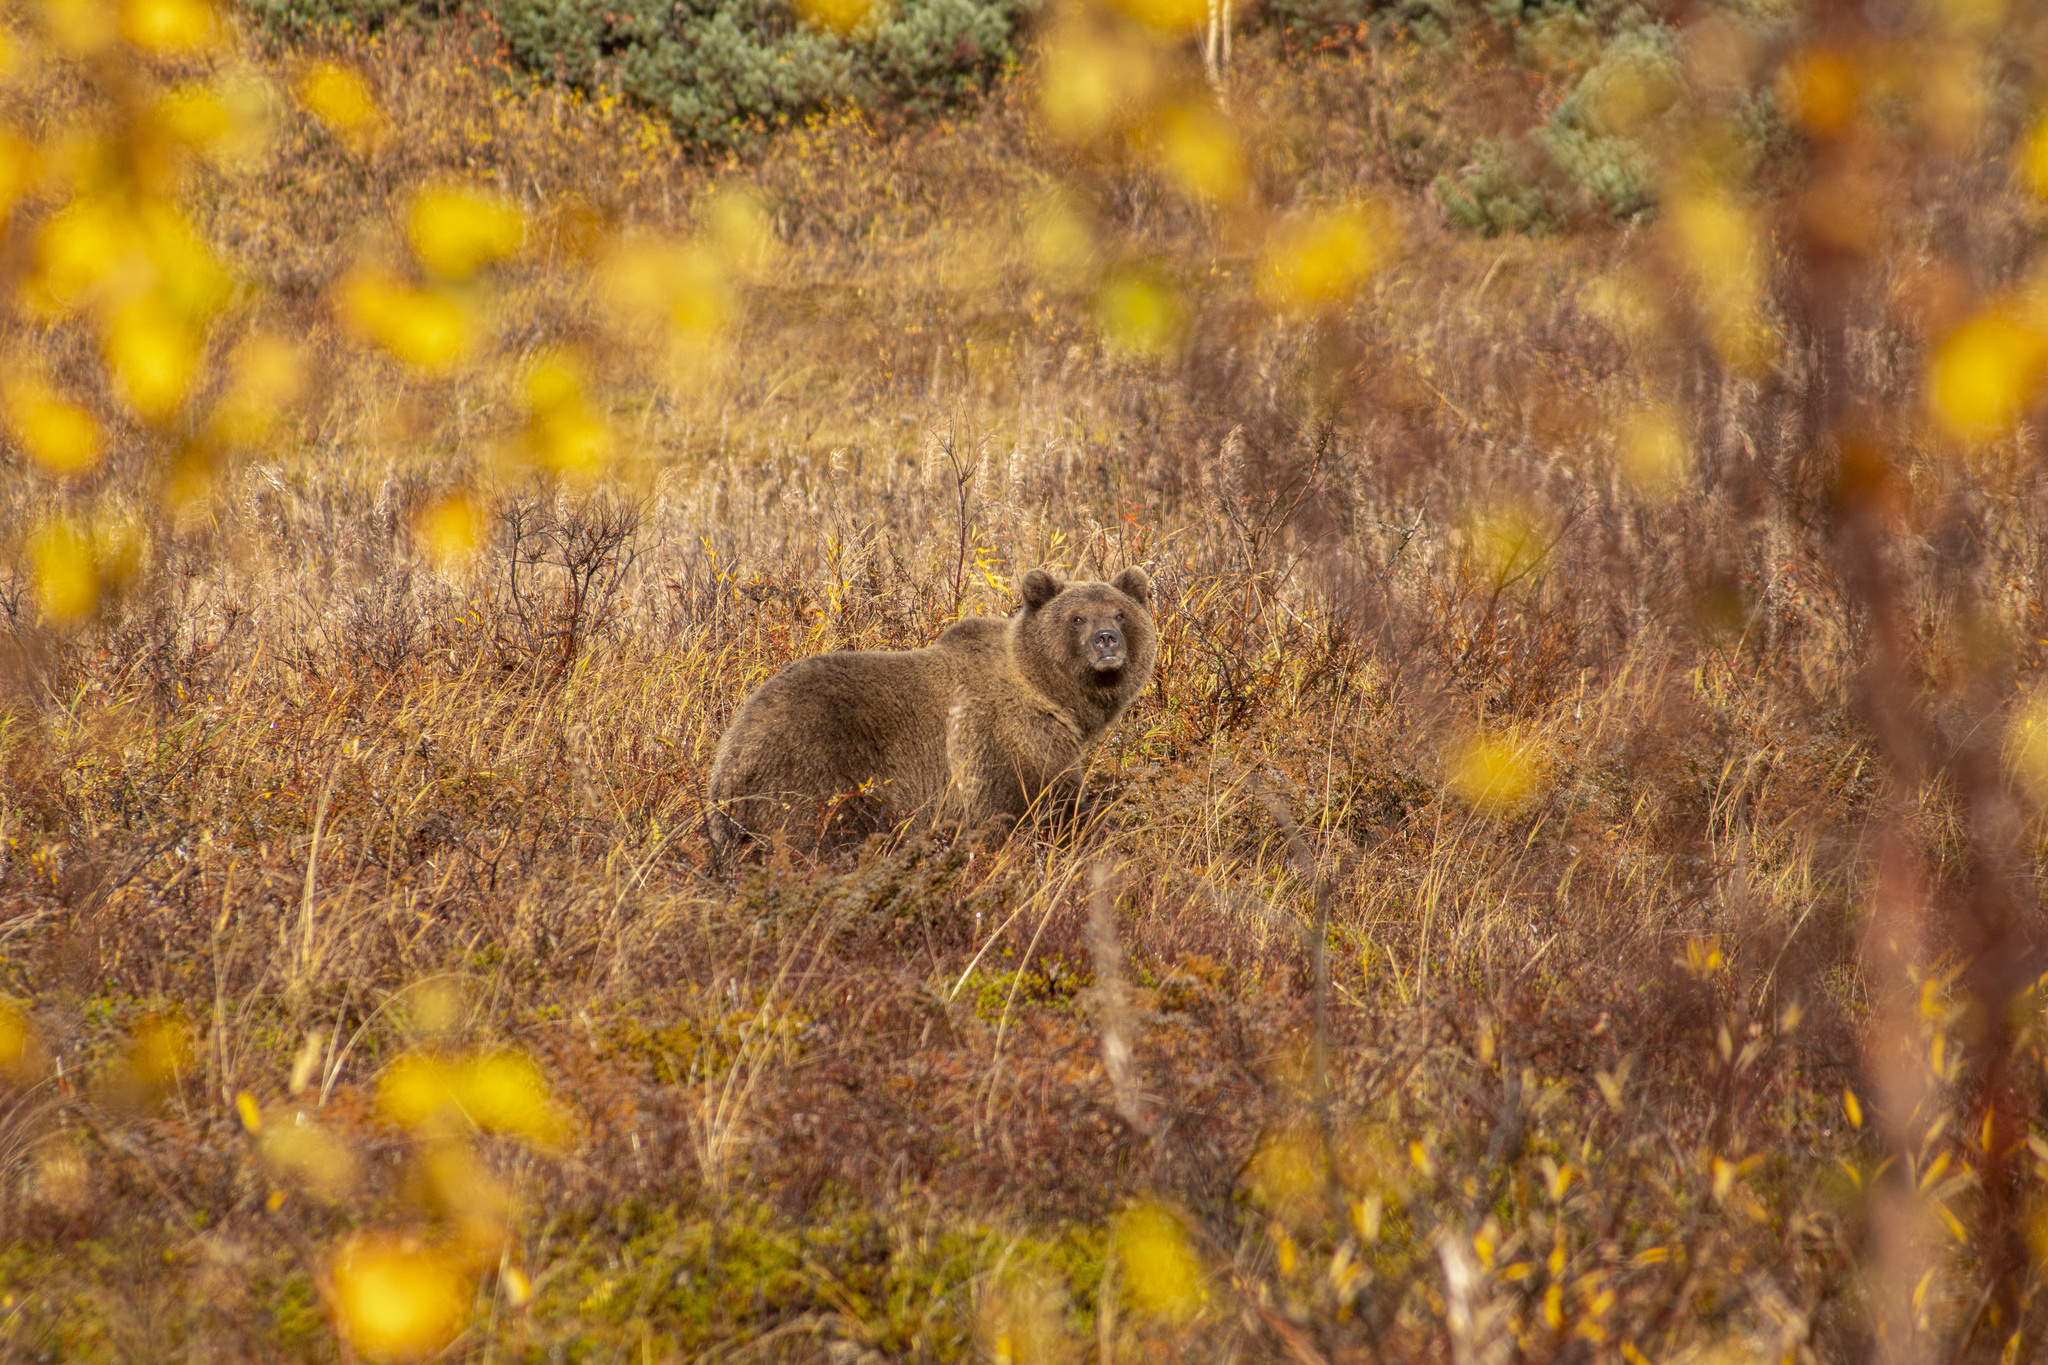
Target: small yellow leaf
point(1141, 313)
point(1321, 259)
point(1985, 374)
point(152, 358)
point(1167, 16)
point(423, 328)
point(1853, 1108)
point(449, 529)
point(82, 27)
point(1197, 149)
point(1819, 88)
point(844, 17)
point(58, 434)
point(309, 1157)
point(341, 99)
point(169, 25)
point(397, 1300)
point(1161, 1273)
point(1653, 449)
point(1090, 83)
point(504, 1092)
point(2034, 159)
point(20, 164)
point(246, 1109)
point(67, 581)
point(455, 231)
point(1498, 774)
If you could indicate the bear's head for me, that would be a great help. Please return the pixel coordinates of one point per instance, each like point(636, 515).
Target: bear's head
point(1090, 645)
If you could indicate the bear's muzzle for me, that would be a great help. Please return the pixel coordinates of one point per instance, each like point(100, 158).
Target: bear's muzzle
point(1107, 645)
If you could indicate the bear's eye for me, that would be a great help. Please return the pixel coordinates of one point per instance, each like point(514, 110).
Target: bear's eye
point(1119, 617)
point(1076, 621)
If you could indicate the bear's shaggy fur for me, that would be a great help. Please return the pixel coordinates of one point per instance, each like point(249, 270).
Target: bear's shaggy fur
point(994, 719)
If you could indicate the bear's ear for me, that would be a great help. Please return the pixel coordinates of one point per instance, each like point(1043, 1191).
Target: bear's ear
point(1038, 588)
point(1135, 584)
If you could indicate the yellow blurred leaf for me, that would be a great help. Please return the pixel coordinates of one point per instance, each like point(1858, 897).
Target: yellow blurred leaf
point(449, 529)
point(2026, 745)
point(1653, 449)
point(422, 328)
point(1059, 238)
point(81, 27)
point(844, 17)
point(193, 115)
point(455, 231)
point(160, 1052)
point(1141, 313)
point(685, 291)
point(1315, 260)
point(58, 434)
point(169, 25)
point(20, 165)
point(462, 1186)
point(228, 121)
point(1818, 90)
point(1852, 1107)
point(17, 1042)
point(1088, 82)
point(67, 581)
point(1197, 149)
point(738, 226)
point(562, 434)
point(266, 375)
point(1162, 1275)
point(1703, 955)
point(1985, 375)
point(1721, 244)
point(518, 1288)
point(1167, 16)
point(2034, 158)
point(413, 1089)
point(79, 251)
point(504, 1092)
point(395, 1298)
point(1498, 773)
point(151, 358)
point(500, 1092)
point(1508, 541)
point(248, 1111)
point(307, 1156)
point(1289, 1174)
point(341, 99)
point(186, 276)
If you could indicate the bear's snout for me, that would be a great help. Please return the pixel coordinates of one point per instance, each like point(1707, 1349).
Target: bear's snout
point(1108, 643)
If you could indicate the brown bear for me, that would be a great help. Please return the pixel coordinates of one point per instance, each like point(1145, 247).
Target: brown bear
point(993, 720)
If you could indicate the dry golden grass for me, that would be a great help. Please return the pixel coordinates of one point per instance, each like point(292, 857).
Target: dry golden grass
point(1469, 955)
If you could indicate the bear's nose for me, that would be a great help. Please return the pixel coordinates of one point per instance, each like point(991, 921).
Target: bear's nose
point(1108, 641)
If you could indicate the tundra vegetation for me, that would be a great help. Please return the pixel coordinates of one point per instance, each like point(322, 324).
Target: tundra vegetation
point(1571, 892)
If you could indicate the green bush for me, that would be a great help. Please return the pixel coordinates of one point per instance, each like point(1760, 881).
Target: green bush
point(1590, 158)
point(723, 69)
point(295, 18)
